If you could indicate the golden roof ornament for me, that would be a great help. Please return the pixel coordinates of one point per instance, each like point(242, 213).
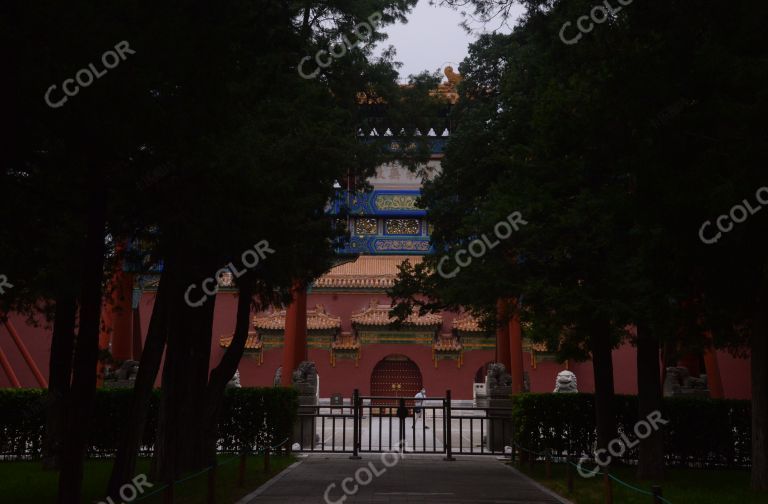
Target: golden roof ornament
point(453, 77)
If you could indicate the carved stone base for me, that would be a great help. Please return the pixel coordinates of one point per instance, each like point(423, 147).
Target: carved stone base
point(307, 383)
point(498, 426)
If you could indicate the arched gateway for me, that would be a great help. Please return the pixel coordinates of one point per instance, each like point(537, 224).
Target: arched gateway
point(395, 376)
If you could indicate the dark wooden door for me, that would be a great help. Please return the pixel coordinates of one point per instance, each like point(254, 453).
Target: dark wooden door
point(395, 376)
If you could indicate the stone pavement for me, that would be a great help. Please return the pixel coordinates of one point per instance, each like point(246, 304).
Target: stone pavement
point(415, 478)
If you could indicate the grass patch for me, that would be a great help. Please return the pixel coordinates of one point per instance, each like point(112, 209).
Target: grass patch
point(681, 486)
point(28, 483)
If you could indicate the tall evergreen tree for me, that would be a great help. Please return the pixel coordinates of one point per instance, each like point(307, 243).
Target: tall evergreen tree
point(615, 149)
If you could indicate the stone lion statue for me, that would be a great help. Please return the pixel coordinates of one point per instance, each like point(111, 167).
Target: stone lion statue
point(305, 374)
point(679, 382)
point(498, 376)
point(128, 370)
point(235, 381)
point(565, 383)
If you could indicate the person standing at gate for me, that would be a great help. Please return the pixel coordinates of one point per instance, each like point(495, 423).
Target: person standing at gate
point(419, 404)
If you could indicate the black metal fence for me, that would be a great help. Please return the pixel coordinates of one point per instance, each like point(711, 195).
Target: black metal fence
point(376, 424)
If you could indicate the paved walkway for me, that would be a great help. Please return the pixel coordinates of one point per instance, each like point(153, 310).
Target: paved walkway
point(415, 478)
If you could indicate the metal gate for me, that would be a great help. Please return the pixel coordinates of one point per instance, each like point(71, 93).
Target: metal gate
point(429, 425)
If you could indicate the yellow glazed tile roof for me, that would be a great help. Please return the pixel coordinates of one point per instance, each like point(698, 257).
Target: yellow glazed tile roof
point(317, 319)
point(366, 272)
point(378, 315)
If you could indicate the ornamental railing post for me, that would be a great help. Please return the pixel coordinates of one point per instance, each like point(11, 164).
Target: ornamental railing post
point(448, 426)
point(355, 424)
point(402, 414)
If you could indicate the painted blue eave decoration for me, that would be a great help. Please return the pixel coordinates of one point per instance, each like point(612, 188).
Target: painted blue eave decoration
point(379, 202)
point(386, 245)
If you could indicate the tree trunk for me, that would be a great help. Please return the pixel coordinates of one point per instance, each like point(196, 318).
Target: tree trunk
point(516, 368)
point(651, 463)
point(137, 344)
point(59, 375)
point(134, 424)
point(179, 446)
point(83, 390)
point(503, 355)
point(760, 395)
point(224, 372)
point(602, 365)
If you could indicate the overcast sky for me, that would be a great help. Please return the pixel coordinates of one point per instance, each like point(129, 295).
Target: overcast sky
point(431, 39)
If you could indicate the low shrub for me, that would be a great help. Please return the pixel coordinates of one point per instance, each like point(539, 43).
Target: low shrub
point(250, 420)
point(701, 432)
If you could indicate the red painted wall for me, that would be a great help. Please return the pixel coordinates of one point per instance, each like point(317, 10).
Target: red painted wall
point(345, 377)
point(736, 376)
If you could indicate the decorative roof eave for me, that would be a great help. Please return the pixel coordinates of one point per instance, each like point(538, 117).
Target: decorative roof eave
point(530, 346)
point(354, 282)
point(346, 342)
point(447, 343)
point(467, 323)
point(378, 315)
point(252, 343)
point(317, 320)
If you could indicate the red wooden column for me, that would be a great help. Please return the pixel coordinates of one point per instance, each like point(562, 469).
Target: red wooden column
point(515, 349)
point(117, 315)
point(122, 316)
point(136, 330)
point(714, 382)
point(300, 348)
point(105, 330)
point(502, 334)
point(295, 340)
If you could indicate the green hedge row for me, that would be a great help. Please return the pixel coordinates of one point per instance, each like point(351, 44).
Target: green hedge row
point(251, 419)
point(701, 432)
